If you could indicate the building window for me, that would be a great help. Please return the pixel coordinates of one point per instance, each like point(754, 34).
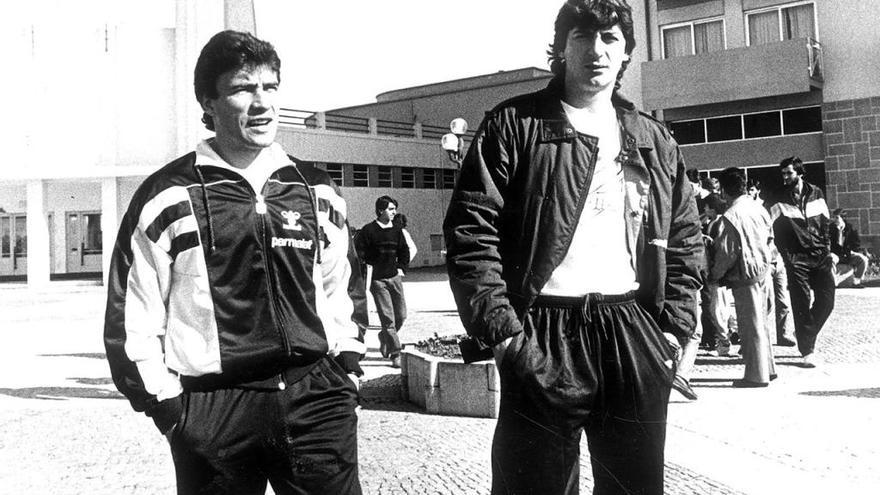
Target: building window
point(448, 178)
point(724, 129)
point(429, 180)
point(801, 120)
point(693, 38)
point(384, 176)
point(407, 178)
point(335, 172)
point(781, 23)
point(5, 236)
point(360, 176)
point(689, 131)
point(436, 242)
point(761, 125)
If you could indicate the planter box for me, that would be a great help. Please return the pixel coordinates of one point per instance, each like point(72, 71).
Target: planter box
point(444, 386)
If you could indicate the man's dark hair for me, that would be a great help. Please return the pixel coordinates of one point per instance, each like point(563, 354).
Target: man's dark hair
point(399, 221)
point(383, 202)
point(840, 212)
point(226, 51)
point(753, 183)
point(716, 202)
point(795, 162)
point(733, 182)
point(590, 15)
point(693, 175)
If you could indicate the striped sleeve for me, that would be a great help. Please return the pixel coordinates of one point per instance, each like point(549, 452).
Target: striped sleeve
point(153, 234)
point(335, 305)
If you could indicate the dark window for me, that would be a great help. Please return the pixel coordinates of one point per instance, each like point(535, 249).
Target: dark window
point(762, 124)
point(335, 172)
point(724, 128)
point(5, 236)
point(384, 176)
point(361, 176)
point(800, 120)
point(407, 177)
point(448, 178)
point(688, 131)
point(430, 179)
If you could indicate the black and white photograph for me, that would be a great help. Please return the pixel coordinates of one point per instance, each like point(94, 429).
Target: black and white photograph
point(392, 247)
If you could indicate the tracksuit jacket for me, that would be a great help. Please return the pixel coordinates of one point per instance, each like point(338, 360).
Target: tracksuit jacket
point(801, 227)
point(518, 200)
point(213, 284)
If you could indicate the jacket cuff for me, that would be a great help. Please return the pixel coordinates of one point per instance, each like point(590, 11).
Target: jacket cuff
point(350, 362)
point(166, 413)
point(502, 324)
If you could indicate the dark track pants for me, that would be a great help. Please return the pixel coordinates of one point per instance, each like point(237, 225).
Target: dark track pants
point(391, 306)
point(302, 439)
point(806, 273)
point(598, 365)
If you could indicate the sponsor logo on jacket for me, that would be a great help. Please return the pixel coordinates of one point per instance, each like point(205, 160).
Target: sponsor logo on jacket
point(291, 242)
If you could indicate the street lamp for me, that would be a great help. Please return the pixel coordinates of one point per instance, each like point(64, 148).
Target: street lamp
point(452, 141)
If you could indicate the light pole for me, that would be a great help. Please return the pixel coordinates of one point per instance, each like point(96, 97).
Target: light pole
point(453, 143)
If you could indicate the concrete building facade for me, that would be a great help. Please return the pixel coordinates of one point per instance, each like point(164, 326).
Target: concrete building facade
point(749, 82)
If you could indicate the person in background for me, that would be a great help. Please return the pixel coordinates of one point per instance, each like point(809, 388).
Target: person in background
point(230, 319)
point(717, 300)
point(400, 221)
point(383, 248)
point(574, 253)
point(800, 227)
point(741, 260)
point(781, 300)
point(845, 246)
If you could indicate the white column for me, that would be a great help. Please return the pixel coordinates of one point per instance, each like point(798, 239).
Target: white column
point(109, 222)
point(37, 235)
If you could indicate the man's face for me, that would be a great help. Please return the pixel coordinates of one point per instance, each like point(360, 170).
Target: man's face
point(837, 219)
point(244, 112)
point(593, 58)
point(711, 214)
point(789, 176)
point(753, 192)
point(388, 213)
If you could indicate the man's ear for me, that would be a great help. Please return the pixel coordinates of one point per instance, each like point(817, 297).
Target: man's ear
point(207, 105)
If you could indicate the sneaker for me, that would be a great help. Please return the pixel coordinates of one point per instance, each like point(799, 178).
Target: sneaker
point(723, 350)
point(810, 360)
point(395, 362)
point(785, 342)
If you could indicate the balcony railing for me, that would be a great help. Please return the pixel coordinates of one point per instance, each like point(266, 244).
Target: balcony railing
point(304, 119)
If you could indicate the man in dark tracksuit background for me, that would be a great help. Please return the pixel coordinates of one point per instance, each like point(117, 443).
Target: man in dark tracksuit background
point(232, 309)
point(574, 250)
point(800, 227)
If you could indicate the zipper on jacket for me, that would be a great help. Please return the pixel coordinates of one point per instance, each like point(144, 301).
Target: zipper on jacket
point(260, 207)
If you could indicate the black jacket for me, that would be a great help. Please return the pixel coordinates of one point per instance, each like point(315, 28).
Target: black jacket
point(801, 227)
point(850, 243)
point(516, 204)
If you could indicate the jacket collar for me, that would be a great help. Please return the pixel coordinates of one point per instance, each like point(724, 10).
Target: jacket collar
point(556, 127)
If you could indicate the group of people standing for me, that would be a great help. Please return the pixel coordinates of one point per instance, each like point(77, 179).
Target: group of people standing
point(236, 304)
point(765, 257)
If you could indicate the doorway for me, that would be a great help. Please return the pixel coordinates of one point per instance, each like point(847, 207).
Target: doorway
point(13, 244)
point(84, 242)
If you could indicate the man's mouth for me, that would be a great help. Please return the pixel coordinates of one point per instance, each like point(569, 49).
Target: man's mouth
point(258, 122)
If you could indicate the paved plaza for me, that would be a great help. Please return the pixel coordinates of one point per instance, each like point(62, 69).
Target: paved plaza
point(65, 430)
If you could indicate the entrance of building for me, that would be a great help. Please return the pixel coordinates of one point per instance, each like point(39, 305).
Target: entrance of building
point(84, 249)
point(13, 244)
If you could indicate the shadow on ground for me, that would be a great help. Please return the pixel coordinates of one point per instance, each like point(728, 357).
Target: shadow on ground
point(87, 355)
point(61, 393)
point(861, 393)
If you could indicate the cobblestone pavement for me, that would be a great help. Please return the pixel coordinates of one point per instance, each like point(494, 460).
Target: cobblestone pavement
point(65, 430)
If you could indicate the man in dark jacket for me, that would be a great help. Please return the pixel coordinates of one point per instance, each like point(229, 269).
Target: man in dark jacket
point(229, 315)
point(574, 250)
point(845, 246)
point(800, 227)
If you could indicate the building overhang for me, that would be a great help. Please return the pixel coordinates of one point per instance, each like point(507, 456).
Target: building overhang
point(772, 69)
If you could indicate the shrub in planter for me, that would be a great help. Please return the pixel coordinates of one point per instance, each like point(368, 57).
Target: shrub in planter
point(435, 377)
